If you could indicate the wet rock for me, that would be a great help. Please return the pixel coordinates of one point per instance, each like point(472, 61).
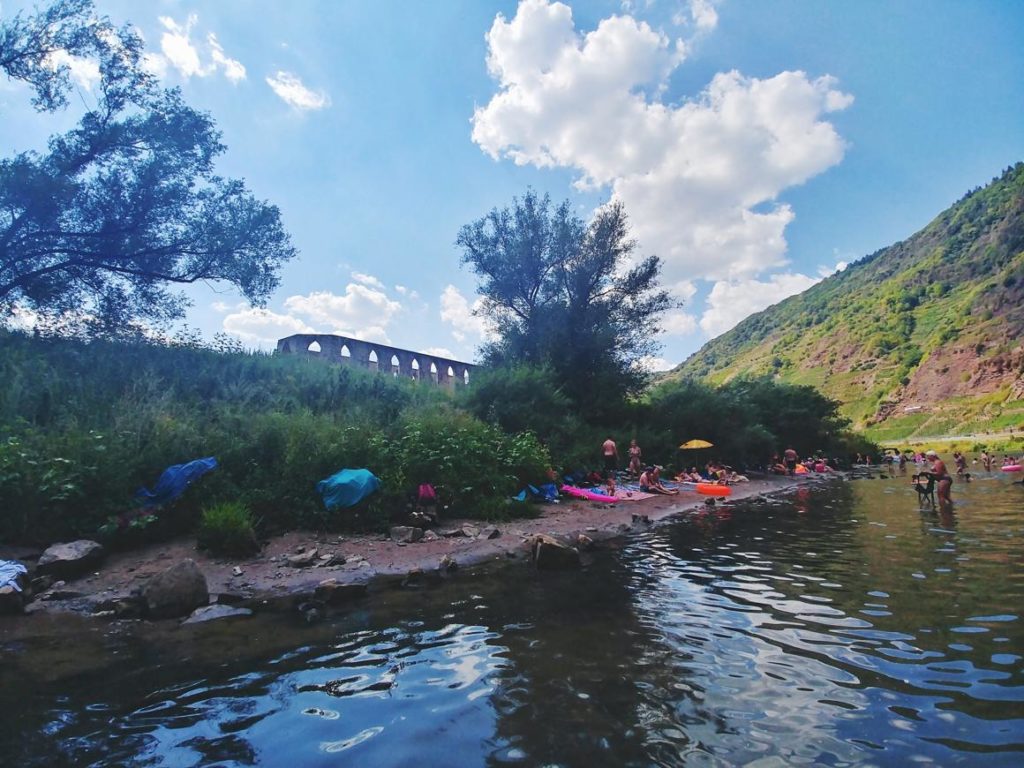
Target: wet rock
point(70, 560)
point(491, 533)
point(450, 533)
point(641, 519)
point(413, 579)
point(406, 534)
point(176, 591)
point(447, 566)
point(303, 559)
point(550, 554)
point(229, 598)
point(218, 611)
point(236, 571)
point(330, 592)
point(430, 536)
point(131, 607)
point(584, 543)
point(12, 601)
point(333, 561)
point(42, 583)
point(470, 531)
point(312, 611)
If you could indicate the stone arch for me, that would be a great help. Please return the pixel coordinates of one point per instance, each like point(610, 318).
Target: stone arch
point(451, 372)
point(396, 365)
point(433, 372)
point(465, 376)
point(346, 352)
point(314, 347)
point(415, 366)
point(372, 361)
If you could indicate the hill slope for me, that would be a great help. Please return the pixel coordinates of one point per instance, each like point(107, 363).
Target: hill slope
point(920, 338)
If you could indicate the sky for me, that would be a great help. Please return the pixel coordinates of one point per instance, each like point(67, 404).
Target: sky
point(757, 145)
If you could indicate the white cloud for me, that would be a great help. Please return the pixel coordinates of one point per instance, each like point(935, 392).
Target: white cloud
point(291, 90)
point(263, 327)
point(730, 302)
point(839, 266)
point(179, 51)
point(701, 178)
point(656, 364)
point(704, 14)
point(679, 323)
point(233, 69)
point(456, 311)
point(85, 72)
point(362, 311)
point(440, 352)
point(370, 280)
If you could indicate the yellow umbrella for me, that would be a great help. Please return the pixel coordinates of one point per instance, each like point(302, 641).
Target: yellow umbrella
point(692, 445)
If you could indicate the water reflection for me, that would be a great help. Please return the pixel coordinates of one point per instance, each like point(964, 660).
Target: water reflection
point(847, 626)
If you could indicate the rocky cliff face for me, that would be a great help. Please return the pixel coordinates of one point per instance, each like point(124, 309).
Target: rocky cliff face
point(921, 338)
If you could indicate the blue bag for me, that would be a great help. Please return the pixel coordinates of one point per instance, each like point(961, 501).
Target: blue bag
point(174, 481)
point(347, 487)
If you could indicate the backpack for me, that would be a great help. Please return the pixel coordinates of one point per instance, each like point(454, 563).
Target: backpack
point(426, 495)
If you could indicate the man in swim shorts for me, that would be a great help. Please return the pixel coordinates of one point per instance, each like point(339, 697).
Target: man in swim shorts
point(611, 456)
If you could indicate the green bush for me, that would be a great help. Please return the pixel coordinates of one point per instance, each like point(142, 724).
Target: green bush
point(227, 529)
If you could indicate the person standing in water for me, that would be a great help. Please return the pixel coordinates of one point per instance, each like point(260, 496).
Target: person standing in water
point(942, 477)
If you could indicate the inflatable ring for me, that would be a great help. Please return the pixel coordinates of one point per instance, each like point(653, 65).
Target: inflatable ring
point(1012, 468)
point(710, 489)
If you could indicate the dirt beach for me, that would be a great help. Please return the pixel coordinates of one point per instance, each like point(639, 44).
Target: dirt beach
point(375, 559)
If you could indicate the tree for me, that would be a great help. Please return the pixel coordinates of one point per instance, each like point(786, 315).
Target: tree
point(94, 230)
point(565, 295)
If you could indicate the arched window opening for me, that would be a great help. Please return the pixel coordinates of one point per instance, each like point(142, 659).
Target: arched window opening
point(314, 348)
point(395, 364)
point(371, 363)
point(345, 351)
point(465, 377)
point(433, 373)
point(451, 373)
point(415, 368)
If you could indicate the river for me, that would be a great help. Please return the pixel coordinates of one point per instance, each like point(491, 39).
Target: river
point(842, 626)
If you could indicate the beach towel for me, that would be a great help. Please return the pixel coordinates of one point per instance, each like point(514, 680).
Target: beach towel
point(10, 572)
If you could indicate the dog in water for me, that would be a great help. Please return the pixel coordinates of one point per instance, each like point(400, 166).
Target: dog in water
point(924, 484)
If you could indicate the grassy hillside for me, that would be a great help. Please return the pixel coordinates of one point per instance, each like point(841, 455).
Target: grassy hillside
point(920, 338)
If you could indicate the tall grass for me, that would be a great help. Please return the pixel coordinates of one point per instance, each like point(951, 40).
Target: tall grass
point(83, 425)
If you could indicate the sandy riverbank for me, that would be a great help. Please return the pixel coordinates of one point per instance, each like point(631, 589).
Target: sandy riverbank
point(373, 559)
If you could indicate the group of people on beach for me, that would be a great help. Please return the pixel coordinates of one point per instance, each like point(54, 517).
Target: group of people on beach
point(649, 476)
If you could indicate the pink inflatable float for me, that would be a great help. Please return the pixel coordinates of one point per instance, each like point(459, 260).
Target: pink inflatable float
point(583, 493)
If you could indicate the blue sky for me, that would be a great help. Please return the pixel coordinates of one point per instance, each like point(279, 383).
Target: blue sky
point(756, 144)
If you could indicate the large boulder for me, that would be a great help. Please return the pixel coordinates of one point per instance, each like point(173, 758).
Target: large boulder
point(176, 591)
point(550, 554)
point(70, 560)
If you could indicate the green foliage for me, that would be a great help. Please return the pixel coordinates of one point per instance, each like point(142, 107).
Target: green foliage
point(83, 425)
point(952, 285)
point(93, 230)
point(227, 529)
point(562, 295)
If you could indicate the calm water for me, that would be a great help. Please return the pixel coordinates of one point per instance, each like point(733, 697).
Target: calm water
point(844, 627)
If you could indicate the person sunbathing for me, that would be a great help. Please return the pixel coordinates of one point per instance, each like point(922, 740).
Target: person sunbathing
point(650, 482)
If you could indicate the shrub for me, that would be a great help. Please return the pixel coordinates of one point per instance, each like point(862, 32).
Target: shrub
point(227, 529)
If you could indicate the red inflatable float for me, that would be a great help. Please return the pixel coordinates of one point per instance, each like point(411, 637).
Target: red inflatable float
point(710, 489)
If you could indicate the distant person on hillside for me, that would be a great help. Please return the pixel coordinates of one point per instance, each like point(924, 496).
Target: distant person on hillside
point(610, 451)
point(942, 477)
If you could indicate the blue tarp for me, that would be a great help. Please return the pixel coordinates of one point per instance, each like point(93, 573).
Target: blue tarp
point(174, 481)
point(10, 570)
point(347, 487)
